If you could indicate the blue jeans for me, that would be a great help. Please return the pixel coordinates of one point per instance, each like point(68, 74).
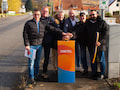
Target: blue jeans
point(77, 54)
point(33, 64)
point(83, 56)
point(101, 55)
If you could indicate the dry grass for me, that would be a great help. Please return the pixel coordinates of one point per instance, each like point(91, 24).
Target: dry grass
point(117, 18)
point(21, 82)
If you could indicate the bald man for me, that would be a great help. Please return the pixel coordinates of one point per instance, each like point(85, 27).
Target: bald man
point(69, 26)
point(47, 43)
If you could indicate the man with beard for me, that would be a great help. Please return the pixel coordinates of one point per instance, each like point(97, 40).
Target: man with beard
point(93, 25)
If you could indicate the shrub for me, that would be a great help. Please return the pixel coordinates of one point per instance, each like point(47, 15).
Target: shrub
point(107, 14)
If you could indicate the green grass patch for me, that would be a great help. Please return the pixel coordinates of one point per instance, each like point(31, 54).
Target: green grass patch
point(117, 84)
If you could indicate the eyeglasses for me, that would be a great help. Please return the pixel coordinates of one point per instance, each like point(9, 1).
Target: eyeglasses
point(92, 14)
point(36, 14)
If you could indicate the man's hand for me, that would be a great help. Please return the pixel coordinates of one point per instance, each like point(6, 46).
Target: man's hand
point(66, 38)
point(98, 44)
point(68, 34)
point(27, 48)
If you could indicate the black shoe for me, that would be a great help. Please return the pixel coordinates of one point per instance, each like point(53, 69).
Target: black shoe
point(85, 72)
point(94, 76)
point(37, 78)
point(55, 72)
point(31, 81)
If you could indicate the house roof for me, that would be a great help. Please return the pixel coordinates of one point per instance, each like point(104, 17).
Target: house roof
point(111, 1)
point(68, 4)
point(91, 8)
point(74, 4)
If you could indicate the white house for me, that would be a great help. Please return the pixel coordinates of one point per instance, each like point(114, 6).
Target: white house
point(113, 6)
point(22, 9)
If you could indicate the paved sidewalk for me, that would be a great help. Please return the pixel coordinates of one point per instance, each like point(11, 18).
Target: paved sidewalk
point(83, 82)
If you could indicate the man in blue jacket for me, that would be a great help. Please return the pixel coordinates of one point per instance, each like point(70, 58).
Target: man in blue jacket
point(69, 26)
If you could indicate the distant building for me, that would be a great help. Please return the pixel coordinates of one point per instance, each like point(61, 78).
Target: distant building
point(77, 5)
point(66, 5)
point(113, 6)
point(22, 9)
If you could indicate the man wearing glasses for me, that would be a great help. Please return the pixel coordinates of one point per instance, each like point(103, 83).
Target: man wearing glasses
point(93, 25)
point(33, 35)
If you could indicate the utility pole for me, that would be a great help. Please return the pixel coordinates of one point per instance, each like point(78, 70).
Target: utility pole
point(103, 4)
point(59, 5)
point(102, 13)
point(2, 6)
point(51, 7)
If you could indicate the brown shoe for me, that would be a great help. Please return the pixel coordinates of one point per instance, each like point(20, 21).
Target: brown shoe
point(44, 75)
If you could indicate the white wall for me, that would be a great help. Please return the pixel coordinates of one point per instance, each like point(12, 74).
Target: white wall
point(67, 12)
point(77, 12)
point(113, 7)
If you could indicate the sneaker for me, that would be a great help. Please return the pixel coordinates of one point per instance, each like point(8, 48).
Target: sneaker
point(100, 77)
point(94, 76)
point(44, 75)
point(79, 69)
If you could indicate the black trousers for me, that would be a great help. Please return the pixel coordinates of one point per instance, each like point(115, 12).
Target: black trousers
point(46, 55)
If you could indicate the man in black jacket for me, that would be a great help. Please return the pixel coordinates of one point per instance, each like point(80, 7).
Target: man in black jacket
point(48, 39)
point(81, 39)
point(93, 25)
point(33, 35)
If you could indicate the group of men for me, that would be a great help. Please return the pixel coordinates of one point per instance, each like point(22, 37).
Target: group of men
point(44, 31)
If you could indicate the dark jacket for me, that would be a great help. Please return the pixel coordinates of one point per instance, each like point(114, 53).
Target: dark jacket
point(80, 32)
point(58, 36)
point(49, 36)
point(30, 34)
point(68, 25)
point(32, 37)
point(99, 26)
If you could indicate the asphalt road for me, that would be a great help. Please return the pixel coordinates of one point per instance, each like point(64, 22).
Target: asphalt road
point(12, 60)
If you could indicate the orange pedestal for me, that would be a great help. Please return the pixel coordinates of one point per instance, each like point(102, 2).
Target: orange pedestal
point(66, 61)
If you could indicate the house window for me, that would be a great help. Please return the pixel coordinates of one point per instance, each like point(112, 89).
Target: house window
point(75, 7)
point(117, 4)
